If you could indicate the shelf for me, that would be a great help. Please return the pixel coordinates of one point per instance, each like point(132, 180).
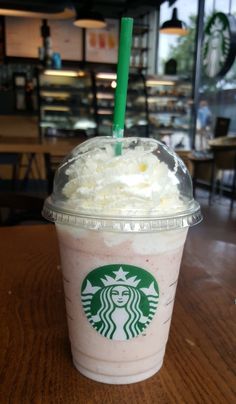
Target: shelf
point(131, 92)
point(76, 104)
point(158, 97)
point(169, 131)
point(62, 88)
point(105, 90)
point(139, 67)
point(168, 112)
point(168, 96)
point(140, 29)
point(139, 49)
point(128, 109)
point(152, 97)
point(104, 111)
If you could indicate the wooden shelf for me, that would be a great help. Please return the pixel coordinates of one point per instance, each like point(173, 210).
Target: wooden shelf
point(169, 131)
point(139, 49)
point(140, 29)
point(139, 67)
point(169, 112)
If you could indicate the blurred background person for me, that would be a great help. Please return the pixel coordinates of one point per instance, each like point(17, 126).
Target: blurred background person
point(204, 122)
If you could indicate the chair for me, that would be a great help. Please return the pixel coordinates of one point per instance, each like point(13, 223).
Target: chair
point(20, 208)
point(224, 161)
point(206, 166)
point(201, 169)
point(221, 126)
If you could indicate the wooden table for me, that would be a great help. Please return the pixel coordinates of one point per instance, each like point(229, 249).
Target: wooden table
point(35, 359)
point(56, 146)
point(223, 142)
point(38, 152)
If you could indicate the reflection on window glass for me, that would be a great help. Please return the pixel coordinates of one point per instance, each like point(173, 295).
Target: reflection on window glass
point(180, 48)
point(220, 93)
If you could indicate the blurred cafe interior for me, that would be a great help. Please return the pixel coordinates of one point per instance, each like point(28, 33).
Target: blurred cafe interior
point(58, 78)
point(58, 62)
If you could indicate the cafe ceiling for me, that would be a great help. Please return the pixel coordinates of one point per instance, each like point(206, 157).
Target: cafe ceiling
point(108, 8)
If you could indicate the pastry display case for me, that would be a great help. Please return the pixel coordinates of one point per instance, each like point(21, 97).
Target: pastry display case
point(136, 121)
point(66, 103)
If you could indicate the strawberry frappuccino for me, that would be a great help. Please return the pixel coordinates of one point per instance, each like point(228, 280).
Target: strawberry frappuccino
point(121, 222)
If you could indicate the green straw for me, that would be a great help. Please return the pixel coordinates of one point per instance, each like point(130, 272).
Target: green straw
point(122, 81)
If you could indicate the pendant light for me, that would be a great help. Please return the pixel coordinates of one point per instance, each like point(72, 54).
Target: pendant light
point(87, 18)
point(27, 9)
point(174, 26)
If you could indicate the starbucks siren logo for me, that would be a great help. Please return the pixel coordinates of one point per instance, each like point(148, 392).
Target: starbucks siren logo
point(219, 45)
point(119, 300)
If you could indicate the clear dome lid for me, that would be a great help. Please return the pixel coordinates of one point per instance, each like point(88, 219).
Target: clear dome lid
point(128, 184)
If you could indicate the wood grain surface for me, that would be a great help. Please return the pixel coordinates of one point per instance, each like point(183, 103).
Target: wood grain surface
point(224, 142)
point(35, 359)
point(53, 146)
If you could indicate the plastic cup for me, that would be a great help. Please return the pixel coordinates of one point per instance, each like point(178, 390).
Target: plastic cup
point(120, 254)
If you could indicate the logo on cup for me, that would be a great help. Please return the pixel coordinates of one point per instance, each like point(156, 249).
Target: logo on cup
point(119, 300)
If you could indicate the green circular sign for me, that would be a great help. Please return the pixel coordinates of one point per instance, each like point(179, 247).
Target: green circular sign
point(119, 300)
point(219, 45)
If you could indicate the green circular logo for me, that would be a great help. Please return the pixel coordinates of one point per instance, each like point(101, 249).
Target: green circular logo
point(218, 45)
point(119, 300)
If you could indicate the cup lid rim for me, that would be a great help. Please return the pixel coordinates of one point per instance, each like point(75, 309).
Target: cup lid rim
point(186, 218)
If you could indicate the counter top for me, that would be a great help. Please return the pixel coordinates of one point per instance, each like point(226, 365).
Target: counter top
point(224, 142)
point(56, 146)
point(36, 364)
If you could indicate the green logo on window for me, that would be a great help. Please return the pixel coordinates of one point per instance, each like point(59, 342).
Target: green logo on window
point(217, 45)
point(119, 300)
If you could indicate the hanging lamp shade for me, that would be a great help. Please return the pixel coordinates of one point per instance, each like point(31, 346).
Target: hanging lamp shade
point(174, 26)
point(86, 18)
point(37, 9)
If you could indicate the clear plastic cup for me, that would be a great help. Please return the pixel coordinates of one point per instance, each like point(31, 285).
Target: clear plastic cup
point(122, 222)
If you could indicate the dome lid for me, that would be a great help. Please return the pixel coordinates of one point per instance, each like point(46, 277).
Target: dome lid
point(129, 184)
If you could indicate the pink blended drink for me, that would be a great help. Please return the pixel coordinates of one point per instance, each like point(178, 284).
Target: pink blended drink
point(122, 222)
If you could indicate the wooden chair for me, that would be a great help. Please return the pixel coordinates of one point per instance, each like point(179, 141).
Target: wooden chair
point(221, 126)
point(224, 162)
point(201, 169)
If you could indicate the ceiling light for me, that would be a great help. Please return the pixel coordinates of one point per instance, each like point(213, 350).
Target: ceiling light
point(86, 18)
point(65, 73)
point(174, 26)
point(104, 96)
point(61, 15)
point(153, 83)
point(55, 108)
point(81, 73)
point(50, 94)
point(105, 112)
point(106, 76)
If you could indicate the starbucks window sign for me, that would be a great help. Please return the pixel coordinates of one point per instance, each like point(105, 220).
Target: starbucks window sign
point(219, 45)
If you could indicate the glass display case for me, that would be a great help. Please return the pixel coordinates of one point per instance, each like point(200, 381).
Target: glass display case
point(66, 103)
point(105, 84)
point(74, 102)
point(136, 122)
point(139, 51)
point(169, 110)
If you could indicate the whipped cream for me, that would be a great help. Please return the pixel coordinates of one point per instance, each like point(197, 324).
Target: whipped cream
point(135, 183)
